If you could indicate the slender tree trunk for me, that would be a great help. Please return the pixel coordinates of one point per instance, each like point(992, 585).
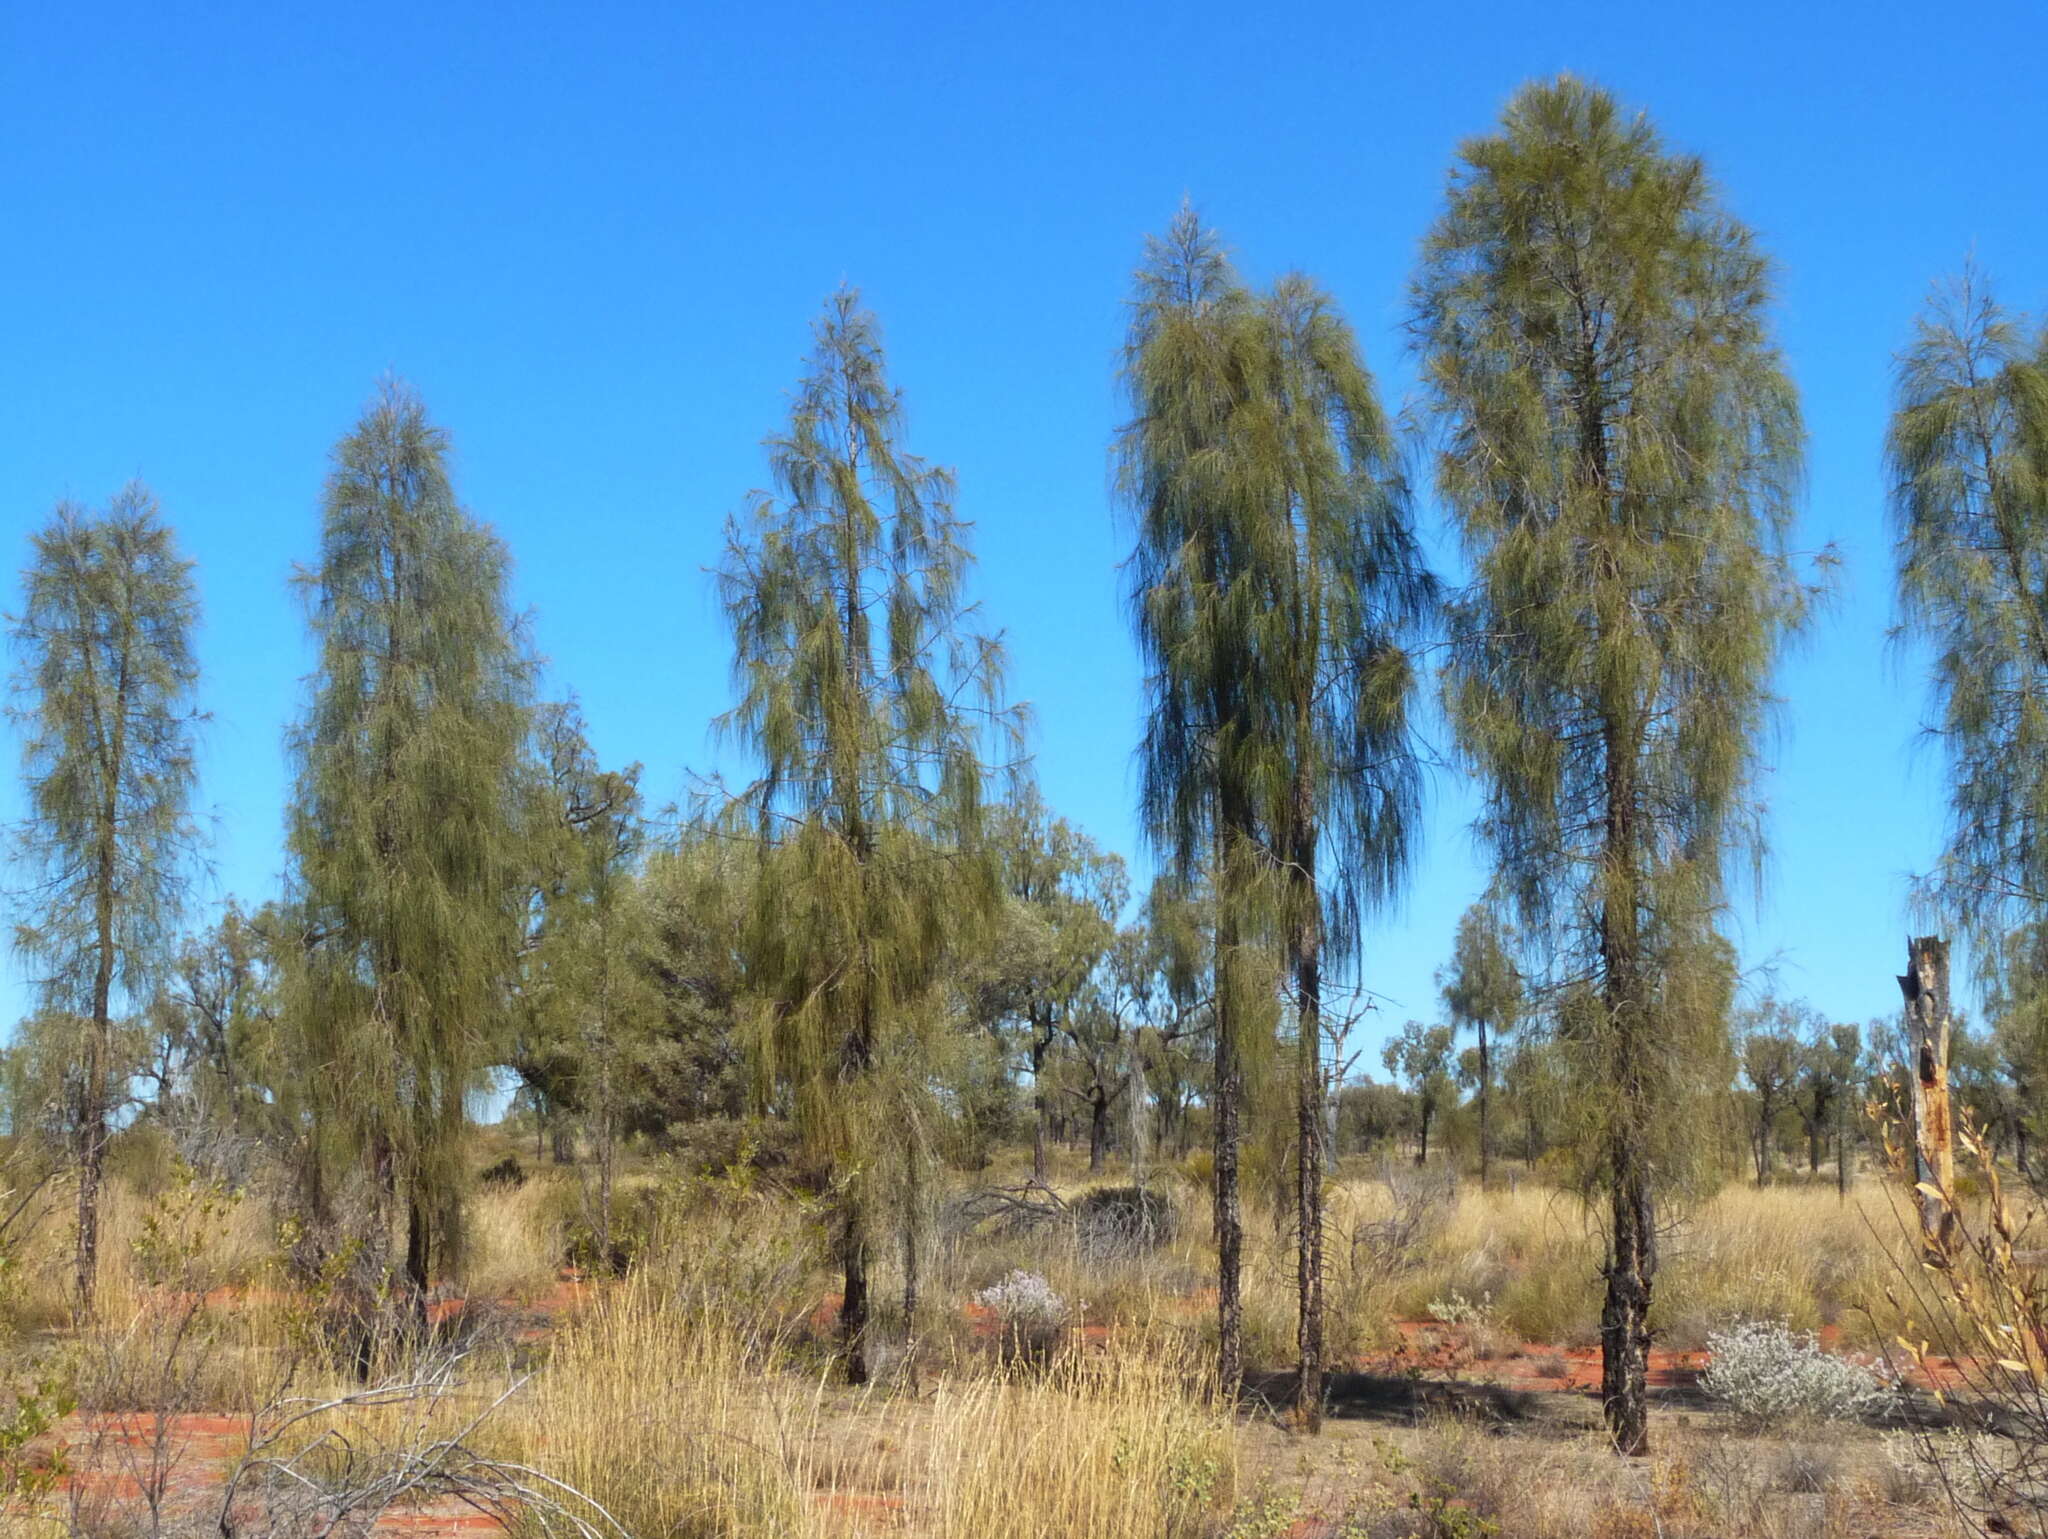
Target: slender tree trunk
point(607, 1126)
point(607, 1152)
point(1308, 1202)
point(1098, 1131)
point(1422, 1150)
point(1041, 1044)
point(418, 1248)
point(1228, 1093)
point(370, 1275)
point(92, 1145)
point(1485, 1094)
point(856, 1064)
point(853, 1301)
point(92, 1110)
point(1624, 1319)
point(1139, 1114)
point(1842, 1148)
point(1632, 1256)
point(913, 1215)
point(1928, 1030)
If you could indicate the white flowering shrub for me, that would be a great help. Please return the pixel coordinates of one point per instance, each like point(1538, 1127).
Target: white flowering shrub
point(1025, 1302)
point(1459, 1310)
point(1768, 1373)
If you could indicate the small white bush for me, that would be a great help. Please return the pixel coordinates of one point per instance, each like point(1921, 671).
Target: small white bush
point(1025, 1302)
point(1459, 1310)
point(1769, 1373)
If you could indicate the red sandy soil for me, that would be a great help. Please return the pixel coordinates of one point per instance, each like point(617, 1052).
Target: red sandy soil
point(1435, 1348)
point(110, 1455)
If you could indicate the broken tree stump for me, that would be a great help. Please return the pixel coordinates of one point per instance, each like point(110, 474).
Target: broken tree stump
point(1928, 1032)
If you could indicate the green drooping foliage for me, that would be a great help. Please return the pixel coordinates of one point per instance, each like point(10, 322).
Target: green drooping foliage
point(103, 696)
point(405, 830)
point(1968, 454)
point(1275, 586)
point(875, 710)
point(1194, 611)
point(1621, 449)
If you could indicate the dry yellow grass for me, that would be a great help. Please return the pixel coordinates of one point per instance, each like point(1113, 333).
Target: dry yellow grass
point(681, 1422)
point(694, 1397)
point(1532, 1256)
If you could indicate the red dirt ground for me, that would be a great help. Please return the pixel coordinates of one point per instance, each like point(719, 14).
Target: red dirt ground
point(112, 1456)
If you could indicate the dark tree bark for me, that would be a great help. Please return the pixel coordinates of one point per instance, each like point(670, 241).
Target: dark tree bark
point(1229, 1094)
point(1632, 1255)
point(1308, 1278)
point(1485, 1095)
point(1041, 1044)
point(853, 1300)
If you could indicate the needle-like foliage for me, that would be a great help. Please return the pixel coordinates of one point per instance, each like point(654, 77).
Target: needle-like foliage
point(404, 827)
point(102, 693)
point(875, 709)
point(1275, 584)
point(1621, 453)
point(1968, 450)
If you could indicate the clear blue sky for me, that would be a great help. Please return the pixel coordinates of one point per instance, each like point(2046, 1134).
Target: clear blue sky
point(595, 237)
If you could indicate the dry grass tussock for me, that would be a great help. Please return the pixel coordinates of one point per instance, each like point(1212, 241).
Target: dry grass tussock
point(682, 1422)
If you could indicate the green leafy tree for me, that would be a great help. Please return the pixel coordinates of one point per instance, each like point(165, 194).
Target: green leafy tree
point(697, 894)
point(1421, 1055)
point(1968, 455)
point(1771, 1055)
point(1275, 585)
point(405, 830)
point(1830, 1060)
point(1483, 992)
point(874, 708)
point(1620, 450)
point(1063, 895)
point(213, 1048)
point(590, 997)
point(103, 696)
